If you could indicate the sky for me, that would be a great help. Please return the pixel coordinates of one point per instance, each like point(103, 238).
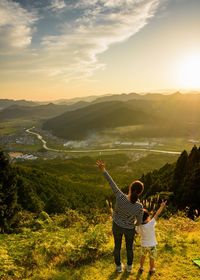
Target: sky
point(61, 49)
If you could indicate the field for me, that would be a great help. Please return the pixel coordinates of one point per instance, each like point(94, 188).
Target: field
point(14, 126)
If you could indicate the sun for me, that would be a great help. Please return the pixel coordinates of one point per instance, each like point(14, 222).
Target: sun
point(189, 72)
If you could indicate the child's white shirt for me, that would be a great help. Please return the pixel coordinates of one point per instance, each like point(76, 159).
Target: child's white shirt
point(147, 233)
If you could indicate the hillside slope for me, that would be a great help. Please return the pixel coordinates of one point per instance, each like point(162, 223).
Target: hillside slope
point(178, 242)
point(80, 123)
point(156, 115)
point(72, 247)
point(182, 179)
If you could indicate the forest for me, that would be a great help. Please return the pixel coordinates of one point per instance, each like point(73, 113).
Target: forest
point(55, 186)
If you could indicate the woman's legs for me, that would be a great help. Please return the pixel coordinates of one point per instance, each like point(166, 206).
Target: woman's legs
point(117, 233)
point(129, 237)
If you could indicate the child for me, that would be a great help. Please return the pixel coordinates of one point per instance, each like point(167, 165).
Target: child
point(148, 238)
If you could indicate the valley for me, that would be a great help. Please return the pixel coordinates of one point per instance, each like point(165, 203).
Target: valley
point(124, 123)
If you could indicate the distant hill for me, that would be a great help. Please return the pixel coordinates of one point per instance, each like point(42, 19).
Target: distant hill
point(41, 111)
point(118, 97)
point(159, 115)
point(112, 97)
point(80, 123)
point(155, 115)
point(38, 111)
point(4, 103)
point(75, 100)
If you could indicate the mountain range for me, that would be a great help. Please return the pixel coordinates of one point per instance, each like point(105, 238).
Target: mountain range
point(36, 111)
point(5, 103)
point(153, 114)
point(149, 115)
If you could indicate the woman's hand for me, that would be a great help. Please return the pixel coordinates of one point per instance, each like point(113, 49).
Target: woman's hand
point(101, 165)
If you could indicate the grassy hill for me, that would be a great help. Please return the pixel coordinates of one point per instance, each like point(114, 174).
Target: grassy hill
point(73, 247)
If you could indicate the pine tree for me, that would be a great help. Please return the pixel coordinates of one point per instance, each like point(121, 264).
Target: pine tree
point(193, 159)
point(8, 193)
point(191, 188)
point(180, 172)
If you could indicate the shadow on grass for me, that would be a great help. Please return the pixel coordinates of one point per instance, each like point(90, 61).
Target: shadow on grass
point(139, 275)
point(122, 276)
point(168, 248)
point(149, 276)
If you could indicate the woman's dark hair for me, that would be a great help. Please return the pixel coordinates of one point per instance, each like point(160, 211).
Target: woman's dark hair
point(136, 188)
point(145, 215)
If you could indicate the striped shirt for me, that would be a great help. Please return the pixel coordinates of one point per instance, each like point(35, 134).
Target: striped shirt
point(126, 214)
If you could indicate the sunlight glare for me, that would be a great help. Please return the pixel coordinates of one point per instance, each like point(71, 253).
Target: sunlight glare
point(189, 72)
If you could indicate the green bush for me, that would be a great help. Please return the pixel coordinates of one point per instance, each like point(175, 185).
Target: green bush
point(69, 218)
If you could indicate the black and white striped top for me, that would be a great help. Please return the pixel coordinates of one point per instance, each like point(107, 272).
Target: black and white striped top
point(126, 214)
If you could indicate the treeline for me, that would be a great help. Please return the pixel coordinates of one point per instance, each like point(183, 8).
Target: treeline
point(181, 180)
point(27, 188)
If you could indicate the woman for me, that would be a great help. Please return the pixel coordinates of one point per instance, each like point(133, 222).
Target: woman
point(127, 214)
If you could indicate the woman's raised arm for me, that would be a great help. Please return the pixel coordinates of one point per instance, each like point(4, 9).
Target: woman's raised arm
point(101, 165)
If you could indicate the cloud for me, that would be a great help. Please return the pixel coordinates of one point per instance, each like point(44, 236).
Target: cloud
point(85, 29)
point(58, 4)
point(15, 25)
point(99, 24)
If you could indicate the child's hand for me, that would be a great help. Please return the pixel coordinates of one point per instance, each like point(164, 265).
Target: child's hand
point(101, 165)
point(163, 204)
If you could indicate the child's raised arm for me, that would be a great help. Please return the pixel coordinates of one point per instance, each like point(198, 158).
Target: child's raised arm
point(158, 212)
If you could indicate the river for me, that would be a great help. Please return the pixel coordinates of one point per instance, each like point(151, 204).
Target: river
point(44, 144)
